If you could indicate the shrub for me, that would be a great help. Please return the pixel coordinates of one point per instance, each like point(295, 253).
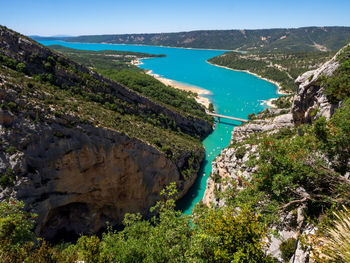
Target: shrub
point(11, 150)
point(239, 235)
point(21, 67)
point(287, 248)
point(337, 87)
point(12, 106)
point(15, 231)
point(240, 152)
point(251, 116)
point(59, 134)
point(7, 178)
point(211, 107)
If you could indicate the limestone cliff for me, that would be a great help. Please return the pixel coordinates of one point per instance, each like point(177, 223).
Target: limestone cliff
point(81, 150)
point(310, 101)
point(85, 177)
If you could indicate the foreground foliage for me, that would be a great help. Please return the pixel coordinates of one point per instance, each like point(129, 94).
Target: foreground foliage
point(336, 239)
point(214, 236)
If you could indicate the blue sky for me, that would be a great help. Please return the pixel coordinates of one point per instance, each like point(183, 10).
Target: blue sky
point(82, 17)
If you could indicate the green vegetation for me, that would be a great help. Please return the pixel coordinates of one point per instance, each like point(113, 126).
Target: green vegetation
point(283, 102)
point(297, 39)
point(282, 67)
point(287, 248)
point(104, 59)
point(11, 150)
point(292, 169)
point(211, 107)
point(7, 178)
point(214, 236)
point(16, 231)
point(337, 87)
point(101, 109)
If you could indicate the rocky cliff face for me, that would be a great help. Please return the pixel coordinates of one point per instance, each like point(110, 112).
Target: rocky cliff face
point(85, 177)
point(230, 165)
point(310, 102)
point(75, 175)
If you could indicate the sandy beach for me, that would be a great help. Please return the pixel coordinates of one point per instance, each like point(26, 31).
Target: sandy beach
point(177, 85)
point(182, 86)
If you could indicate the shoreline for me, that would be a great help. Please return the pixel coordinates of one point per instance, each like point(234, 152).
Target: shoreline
point(269, 103)
point(182, 86)
point(277, 84)
point(178, 85)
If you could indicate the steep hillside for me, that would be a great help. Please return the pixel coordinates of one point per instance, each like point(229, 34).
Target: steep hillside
point(281, 67)
point(80, 149)
point(292, 165)
point(290, 39)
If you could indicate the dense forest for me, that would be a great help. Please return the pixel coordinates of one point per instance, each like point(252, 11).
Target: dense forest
point(283, 39)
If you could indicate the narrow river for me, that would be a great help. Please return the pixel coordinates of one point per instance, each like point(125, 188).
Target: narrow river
point(233, 93)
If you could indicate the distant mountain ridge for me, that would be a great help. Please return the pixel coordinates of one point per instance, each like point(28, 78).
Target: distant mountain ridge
point(279, 39)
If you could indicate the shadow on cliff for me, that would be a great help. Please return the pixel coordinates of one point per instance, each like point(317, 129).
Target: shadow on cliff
point(187, 201)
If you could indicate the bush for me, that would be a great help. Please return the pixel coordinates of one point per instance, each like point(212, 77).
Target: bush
point(239, 235)
point(7, 178)
point(15, 231)
point(282, 102)
point(12, 106)
point(251, 116)
point(11, 150)
point(240, 152)
point(211, 107)
point(21, 67)
point(287, 248)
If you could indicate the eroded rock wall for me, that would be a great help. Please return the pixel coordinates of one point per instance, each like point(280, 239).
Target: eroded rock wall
point(310, 102)
point(77, 179)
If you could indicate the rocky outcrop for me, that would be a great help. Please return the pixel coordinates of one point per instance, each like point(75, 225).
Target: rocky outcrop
point(232, 166)
point(310, 102)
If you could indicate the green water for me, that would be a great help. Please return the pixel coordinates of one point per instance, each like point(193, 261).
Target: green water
point(233, 93)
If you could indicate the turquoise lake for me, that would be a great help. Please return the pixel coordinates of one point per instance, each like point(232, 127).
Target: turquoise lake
point(233, 93)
